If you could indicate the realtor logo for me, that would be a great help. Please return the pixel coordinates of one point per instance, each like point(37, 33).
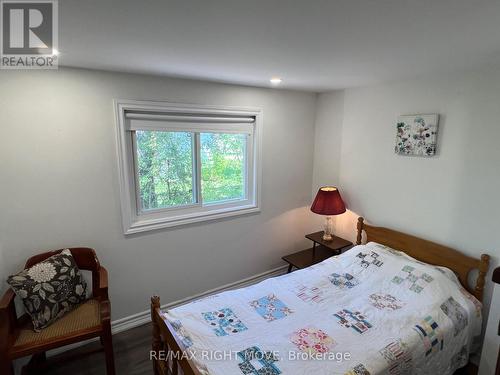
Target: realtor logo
point(28, 34)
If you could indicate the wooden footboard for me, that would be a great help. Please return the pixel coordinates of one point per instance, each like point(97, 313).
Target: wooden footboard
point(166, 353)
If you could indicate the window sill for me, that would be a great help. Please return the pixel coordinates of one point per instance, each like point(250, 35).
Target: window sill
point(144, 225)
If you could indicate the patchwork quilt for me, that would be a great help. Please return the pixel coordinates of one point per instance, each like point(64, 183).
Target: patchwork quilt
point(372, 310)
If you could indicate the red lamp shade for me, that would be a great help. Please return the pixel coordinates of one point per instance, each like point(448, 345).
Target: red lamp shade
point(328, 202)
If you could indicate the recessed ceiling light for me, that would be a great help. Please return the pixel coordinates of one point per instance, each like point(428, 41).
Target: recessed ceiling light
point(275, 80)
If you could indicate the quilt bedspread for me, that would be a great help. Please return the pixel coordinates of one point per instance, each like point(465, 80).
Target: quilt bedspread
point(371, 310)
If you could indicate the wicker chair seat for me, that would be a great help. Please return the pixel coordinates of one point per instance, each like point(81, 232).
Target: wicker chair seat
point(84, 317)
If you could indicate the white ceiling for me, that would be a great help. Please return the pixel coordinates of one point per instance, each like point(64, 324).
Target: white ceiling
point(312, 44)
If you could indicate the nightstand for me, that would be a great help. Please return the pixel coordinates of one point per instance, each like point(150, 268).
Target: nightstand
point(320, 251)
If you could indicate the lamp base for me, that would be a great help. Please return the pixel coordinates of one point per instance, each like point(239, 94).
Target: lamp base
point(327, 234)
point(327, 237)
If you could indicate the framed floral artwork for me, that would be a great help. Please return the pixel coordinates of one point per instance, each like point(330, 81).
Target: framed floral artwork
point(417, 135)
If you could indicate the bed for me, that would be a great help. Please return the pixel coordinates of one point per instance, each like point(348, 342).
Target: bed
point(395, 305)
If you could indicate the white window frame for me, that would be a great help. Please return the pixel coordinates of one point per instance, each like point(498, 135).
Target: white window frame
point(133, 219)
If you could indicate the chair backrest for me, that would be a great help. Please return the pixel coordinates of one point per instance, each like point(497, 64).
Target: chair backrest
point(85, 258)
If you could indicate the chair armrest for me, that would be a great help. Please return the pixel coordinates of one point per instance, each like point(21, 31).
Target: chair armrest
point(102, 293)
point(8, 318)
point(7, 299)
point(105, 311)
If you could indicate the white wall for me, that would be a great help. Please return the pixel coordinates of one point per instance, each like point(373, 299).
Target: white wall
point(327, 139)
point(59, 183)
point(451, 198)
point(491, 342)
point(327, 145)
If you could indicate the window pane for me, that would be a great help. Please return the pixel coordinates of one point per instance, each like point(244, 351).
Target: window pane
point(165, 168)
point(223, 160)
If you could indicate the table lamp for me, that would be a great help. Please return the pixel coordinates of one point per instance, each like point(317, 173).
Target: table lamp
point(328, 202)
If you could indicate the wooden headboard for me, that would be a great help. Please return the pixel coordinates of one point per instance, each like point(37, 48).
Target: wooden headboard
point(430, 252)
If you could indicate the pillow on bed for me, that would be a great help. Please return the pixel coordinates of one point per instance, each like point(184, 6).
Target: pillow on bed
point(50, 289)
point(450, 274)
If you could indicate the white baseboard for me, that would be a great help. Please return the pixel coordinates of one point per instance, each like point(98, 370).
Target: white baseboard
point(144, 317)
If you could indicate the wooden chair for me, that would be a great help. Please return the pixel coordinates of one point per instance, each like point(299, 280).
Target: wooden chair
point(90, 319)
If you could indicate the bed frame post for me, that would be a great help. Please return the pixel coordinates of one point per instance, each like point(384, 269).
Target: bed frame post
point(156, 342)
point(360, 230)
point(483, 269)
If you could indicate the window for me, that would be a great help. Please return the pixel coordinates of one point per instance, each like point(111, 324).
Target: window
point(181, 164)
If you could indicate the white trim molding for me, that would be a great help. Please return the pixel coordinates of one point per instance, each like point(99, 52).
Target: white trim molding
point(247, 120)
point(144, 317)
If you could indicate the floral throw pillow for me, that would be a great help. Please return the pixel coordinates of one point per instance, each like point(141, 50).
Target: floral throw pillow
point(50, 289)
